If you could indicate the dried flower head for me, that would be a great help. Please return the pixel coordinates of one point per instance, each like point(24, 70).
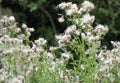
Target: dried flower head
point(41, 41)
point(87, 6)
point(61, 19)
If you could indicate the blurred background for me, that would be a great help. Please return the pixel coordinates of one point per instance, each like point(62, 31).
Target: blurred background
point(42, 15)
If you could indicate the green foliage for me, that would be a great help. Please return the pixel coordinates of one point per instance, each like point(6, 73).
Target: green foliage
point(32, 7)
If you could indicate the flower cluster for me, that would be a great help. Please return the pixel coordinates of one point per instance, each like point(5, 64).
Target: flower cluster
point(19, 60)
point(82, 33)
point(71, 8)
point(110, 61)
point(15, 55)
point(82, 23)
point(64, 40)
point(77, 49)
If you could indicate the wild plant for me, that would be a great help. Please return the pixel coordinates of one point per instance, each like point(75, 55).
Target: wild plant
point(77, 57)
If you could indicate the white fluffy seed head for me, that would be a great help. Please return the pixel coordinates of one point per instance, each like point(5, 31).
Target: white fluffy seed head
point(71, 29)
point(64, 5)
point(30, 29)
point(87, 19)
point(53, 49)
point(41, 41)
point(87, 6)
point(24, 26)
point(12, 18)
point(65, 56)
point(61, 19)
point(65, 40)
point(100, 30)
point(50, 55)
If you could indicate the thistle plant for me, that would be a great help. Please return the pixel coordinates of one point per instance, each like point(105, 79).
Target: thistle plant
point(77, 57)
point(81, 39)
point(108, 69)
point(17, 57)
